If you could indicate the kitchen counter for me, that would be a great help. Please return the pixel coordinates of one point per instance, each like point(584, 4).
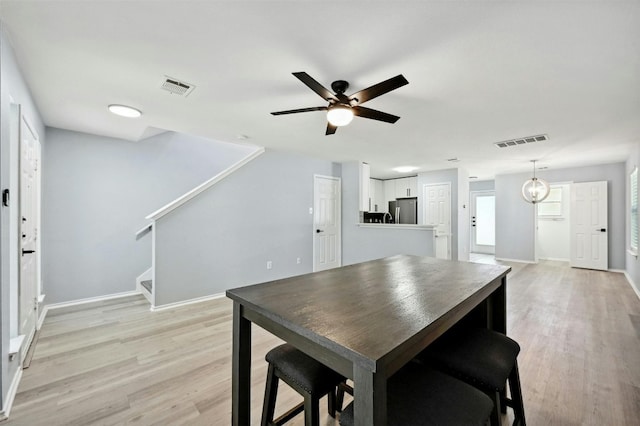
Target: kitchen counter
point(397, 226)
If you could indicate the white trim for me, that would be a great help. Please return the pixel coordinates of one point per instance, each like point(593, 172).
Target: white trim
point(632, 252)
point(43, 314)
point(15, 345)
point(204, 186)
point(187, 302)
point(636, 290)
point(11, 394)
point(555, 259)
point(144, 231)
point(502, 259)
point(91, 299)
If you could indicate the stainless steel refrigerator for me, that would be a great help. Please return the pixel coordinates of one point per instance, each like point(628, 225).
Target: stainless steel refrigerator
point(404, 210)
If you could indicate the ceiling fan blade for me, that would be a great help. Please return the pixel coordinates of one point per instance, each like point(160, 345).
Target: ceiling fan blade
point(379, 89)
point(315, 86)
point(293, 111)
point(373, 114)
point(331, 129)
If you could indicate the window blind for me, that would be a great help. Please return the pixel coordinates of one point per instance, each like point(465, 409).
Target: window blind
point(633, 196)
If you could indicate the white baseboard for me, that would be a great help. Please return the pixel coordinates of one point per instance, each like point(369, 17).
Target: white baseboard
point(515, 260)
point(633, 285)
point(187, 302)
point(90, 300)
point(11, 394)
point(554, 259)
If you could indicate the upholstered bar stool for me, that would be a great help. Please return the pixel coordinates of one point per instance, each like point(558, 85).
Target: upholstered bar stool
point(485, 359)
point(417, 396)
point(305, 375)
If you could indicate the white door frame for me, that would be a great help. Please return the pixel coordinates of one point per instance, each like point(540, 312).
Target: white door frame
point(472, 244)
point(338, 218)
point(448, 234)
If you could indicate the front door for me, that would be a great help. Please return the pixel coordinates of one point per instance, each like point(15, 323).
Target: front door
point(437, 212)
point(589, 225)
point(29, 224)
point(483, 222)
point(326, 223)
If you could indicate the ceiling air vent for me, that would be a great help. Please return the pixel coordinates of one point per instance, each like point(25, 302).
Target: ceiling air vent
point(521, 141)
point(177, 87)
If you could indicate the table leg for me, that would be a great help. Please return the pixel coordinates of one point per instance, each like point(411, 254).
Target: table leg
point(369, 398)
point(241, 368)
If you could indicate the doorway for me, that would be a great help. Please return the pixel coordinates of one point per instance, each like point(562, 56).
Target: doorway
point(437, 212)
point(483, 222)
point(29, 239)
point(327, 211)
point(589, 229)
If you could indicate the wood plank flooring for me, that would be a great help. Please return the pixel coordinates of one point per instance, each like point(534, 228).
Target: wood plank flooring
point(115, 362)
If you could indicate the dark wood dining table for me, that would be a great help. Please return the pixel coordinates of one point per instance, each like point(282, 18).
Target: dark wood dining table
point(365, 320)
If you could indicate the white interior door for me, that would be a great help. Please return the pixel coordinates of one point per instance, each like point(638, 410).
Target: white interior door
point(326, 223)
point(437, 212)
point(483, 222)
point(29, 224)
point(589, 225)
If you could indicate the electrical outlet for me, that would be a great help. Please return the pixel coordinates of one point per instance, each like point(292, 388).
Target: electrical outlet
point(298, 261)
point(310, 210)
point(269, 264)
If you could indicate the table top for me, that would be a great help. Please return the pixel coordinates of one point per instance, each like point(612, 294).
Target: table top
point(368, 311)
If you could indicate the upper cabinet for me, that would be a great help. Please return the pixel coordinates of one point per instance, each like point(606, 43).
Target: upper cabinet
point(365, 175)
point(376, 196)
point(406, 187)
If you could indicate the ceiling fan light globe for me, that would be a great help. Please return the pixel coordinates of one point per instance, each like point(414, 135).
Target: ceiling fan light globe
point(339, 115)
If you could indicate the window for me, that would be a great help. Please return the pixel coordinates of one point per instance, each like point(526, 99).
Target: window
point(551, 207)
point(633, 197)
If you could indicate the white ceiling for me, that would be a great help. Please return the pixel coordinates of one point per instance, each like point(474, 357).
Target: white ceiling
point(479, 72)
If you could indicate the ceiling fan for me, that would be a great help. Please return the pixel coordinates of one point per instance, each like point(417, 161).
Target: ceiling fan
point(342, 108)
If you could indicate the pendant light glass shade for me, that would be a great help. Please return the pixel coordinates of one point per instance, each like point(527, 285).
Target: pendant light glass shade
point(339, 115)
point(535, 190)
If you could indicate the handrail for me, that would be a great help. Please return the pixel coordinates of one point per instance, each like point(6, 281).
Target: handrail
point(203, 187)
point(142, 232)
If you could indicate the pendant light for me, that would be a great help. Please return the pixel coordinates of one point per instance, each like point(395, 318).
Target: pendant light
point(535, 190)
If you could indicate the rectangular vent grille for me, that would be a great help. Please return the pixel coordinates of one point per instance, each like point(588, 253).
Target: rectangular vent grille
point(177, 87)
point(521, 141)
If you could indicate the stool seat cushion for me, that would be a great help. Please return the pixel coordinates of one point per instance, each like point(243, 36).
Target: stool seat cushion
point(313, 376)
point(417, 395)
point(477, 355)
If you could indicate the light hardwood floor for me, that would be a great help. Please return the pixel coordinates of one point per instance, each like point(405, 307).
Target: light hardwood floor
point(117, 363)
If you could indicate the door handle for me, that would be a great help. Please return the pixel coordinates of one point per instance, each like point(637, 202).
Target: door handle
point(602, 229)
point(27, 251)
point(319, 231)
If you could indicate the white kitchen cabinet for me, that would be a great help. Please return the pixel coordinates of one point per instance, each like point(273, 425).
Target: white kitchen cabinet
point(376, 195)
point(365, 175)
point(406, 187)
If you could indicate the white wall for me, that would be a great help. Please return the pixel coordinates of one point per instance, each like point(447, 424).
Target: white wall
point(96, 194)
point(223, 238)
point(553, 233)
point(12, 86)
point(515, 218)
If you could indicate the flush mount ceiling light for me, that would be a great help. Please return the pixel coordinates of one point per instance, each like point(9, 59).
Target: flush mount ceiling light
point(535, 190)
point(404, 169)
point(339, 115)
point(125, 111)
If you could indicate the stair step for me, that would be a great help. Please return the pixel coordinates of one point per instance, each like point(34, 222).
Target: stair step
point(147, 284)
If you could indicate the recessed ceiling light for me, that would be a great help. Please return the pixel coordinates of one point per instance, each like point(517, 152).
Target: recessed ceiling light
point(125, 111)
point(405, 169)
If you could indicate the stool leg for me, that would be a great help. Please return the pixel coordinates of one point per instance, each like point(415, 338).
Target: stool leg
point(331, 403)
point(495, 413)
point(311, 410)
point(270, 393)
point(516, 396)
